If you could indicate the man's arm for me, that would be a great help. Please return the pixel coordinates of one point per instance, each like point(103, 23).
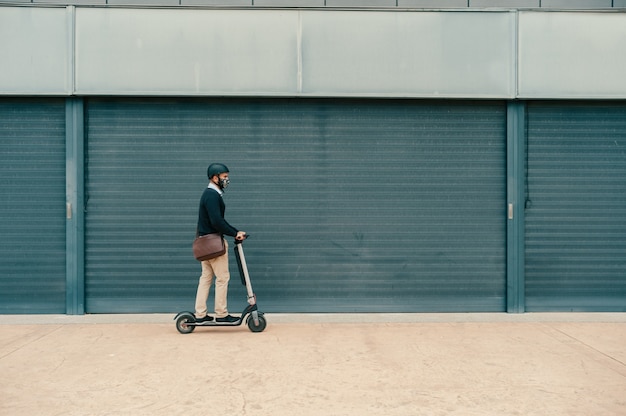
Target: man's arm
point(216, 218)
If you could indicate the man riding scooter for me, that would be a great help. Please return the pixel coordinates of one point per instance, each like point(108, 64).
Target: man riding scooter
point(211, 220)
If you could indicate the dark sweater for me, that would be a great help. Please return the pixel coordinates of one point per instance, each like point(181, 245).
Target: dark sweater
point(211, 215)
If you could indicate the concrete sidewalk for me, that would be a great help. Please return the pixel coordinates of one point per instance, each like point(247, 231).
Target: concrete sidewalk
point(346, 364)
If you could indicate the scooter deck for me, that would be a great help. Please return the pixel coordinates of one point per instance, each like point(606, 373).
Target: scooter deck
point(214, 323)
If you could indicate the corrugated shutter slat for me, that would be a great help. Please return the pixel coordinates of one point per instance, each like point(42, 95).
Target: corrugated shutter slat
point(575, 227)
point(32, 206)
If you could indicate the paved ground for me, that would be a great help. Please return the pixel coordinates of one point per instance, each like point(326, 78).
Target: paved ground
point(301, 365)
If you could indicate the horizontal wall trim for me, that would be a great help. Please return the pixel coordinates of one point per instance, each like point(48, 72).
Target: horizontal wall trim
point(494, 54)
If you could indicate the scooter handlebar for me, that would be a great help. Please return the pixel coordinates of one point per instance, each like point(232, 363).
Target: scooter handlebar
point(245, 236)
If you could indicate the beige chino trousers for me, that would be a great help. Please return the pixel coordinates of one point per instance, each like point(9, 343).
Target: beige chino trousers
point(217, 267)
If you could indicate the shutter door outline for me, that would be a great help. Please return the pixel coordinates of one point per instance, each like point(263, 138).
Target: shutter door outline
point(575, 233)
point(32, 224)
point(348, 265)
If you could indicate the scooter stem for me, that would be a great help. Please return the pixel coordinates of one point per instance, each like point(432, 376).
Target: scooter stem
point(244, 269)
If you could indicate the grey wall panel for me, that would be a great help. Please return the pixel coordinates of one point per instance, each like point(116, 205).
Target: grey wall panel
point(458, 54)
point(509, 4)
point(572, 55)
point(159, 51)
point(471, 54)
point(265, 52)
point(433, 4)
point(577, 4)
point(35, 47)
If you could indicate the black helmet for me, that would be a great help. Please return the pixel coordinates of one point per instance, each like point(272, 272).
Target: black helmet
point(216, 169)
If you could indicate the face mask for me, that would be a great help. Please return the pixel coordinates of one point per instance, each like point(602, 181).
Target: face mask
point(223, 183)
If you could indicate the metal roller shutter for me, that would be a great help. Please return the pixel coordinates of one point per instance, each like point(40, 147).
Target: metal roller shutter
point(32, 207)
point(575, 217)
point(353, 205)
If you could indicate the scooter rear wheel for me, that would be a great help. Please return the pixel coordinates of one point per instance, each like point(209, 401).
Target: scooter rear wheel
point(254, 327)
point(182, 324)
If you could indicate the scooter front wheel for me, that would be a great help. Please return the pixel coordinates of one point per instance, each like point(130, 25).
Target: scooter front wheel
point(254, 327)
point(182, 324)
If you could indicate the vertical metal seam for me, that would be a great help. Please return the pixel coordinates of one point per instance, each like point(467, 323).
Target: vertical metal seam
point(74, 230)
point(515, 195)
point(299, 53)
point(516, 48)
point(71, 47)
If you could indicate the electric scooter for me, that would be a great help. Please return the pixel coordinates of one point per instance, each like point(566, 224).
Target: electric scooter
point(186, 321)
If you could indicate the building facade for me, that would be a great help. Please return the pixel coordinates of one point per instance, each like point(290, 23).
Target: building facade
point(385, 156)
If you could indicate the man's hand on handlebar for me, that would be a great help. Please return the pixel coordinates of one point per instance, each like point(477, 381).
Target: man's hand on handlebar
point(241, 235)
